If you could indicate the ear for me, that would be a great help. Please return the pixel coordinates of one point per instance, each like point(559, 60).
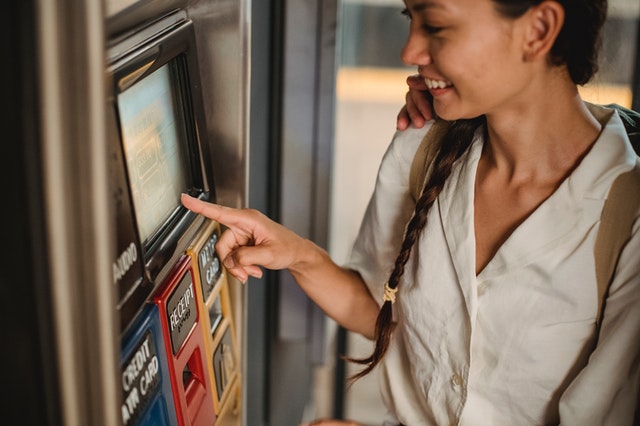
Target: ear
point(544, 23)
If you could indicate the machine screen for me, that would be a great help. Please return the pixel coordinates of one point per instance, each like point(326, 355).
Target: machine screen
point(154, 139)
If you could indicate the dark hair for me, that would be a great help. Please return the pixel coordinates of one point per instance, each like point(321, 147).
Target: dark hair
point(453, 144)
point(577, 47)
point(579, 42)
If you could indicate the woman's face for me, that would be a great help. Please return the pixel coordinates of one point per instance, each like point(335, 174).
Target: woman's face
point(470, 56)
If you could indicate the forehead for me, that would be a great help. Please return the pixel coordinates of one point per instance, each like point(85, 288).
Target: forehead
point(420, 5)
point(416, 6)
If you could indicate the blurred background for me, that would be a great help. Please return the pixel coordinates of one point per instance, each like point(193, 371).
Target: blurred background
point(370, 89)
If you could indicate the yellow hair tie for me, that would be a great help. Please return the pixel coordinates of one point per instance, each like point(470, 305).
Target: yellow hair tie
point(389, 293)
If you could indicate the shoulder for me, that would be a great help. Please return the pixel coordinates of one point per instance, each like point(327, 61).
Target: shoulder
point(631, 122)
point(619, 127)
point(611, 155)
point(404, 145)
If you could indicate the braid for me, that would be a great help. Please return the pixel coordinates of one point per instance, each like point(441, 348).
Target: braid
point(453, 144)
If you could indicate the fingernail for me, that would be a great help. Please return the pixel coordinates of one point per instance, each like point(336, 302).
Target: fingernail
point(256, 275)
point(229, 263)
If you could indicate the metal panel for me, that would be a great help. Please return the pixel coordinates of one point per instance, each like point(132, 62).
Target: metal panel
point(306, 140)
point(72, 96)
point(29, 374)
point(307, 135)
point(222, 33)
point(263, 82)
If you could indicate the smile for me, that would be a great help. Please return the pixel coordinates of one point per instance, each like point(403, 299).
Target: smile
point(437, 84)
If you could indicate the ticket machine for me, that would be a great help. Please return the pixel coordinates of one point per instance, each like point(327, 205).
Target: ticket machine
point(179, 351)
point(104, 110)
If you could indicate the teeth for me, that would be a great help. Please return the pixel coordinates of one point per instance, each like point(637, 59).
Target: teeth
point(437, 84)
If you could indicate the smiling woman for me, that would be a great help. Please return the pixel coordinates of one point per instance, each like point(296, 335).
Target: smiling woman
point(481, 295)
point(370, 86)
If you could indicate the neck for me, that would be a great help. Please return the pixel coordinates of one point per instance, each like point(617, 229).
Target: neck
point(544, 135)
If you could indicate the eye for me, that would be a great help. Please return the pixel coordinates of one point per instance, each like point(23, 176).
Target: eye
point(430, 29)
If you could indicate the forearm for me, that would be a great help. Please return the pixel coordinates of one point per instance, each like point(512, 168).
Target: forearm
point(339, 292)
point(252, 240)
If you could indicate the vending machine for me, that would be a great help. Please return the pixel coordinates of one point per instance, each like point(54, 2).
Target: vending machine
point(179, 351)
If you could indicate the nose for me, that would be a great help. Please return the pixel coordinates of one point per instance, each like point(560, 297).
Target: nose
point(416, 49)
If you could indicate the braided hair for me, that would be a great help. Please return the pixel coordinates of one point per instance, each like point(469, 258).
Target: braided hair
point(453, 144)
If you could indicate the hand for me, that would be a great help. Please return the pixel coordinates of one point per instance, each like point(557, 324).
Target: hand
point(251, 240)
point(418, 109)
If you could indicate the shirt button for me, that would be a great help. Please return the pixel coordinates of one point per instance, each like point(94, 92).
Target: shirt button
point(456, 380)
point(481, 289)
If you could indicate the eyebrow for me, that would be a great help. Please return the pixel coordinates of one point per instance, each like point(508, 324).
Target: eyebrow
point(426, 4)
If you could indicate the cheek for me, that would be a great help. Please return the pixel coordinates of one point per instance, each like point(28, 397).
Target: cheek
point(481, 67)
point(466, 68)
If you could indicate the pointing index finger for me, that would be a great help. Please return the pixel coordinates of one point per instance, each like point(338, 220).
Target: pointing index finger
point(213, 211)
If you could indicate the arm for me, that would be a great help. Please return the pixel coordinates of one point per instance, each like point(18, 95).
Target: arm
point(253, 240)
point(417, 109)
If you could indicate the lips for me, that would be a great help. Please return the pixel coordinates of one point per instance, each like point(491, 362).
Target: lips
point(437, 84)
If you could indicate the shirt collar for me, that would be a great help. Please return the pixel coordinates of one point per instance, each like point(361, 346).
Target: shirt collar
point(577, 200)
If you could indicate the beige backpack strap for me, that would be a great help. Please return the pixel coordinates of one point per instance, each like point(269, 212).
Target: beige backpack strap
point(425, 155)
point(616, 222)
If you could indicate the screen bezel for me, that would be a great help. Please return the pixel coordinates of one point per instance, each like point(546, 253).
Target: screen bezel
point(175, 46)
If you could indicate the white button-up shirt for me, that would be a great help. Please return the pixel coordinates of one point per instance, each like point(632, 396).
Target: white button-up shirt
point(514, 344)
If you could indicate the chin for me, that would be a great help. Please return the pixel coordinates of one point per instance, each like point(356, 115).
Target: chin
point(449, 114)
point(444, 113)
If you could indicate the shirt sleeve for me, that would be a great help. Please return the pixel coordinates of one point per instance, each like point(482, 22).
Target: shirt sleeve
point(389, 209)
point(606, 391)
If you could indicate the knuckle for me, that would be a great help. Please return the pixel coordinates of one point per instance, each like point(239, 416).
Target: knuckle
point(253, 214)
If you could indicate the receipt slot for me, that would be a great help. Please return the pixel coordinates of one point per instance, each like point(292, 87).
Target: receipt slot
point(220, 340)
point(185, 346)
point(147, 398)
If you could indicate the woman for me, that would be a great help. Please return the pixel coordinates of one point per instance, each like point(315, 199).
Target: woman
point(494, 306)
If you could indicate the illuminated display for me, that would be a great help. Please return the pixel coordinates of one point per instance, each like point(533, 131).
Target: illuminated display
point(153, 133)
